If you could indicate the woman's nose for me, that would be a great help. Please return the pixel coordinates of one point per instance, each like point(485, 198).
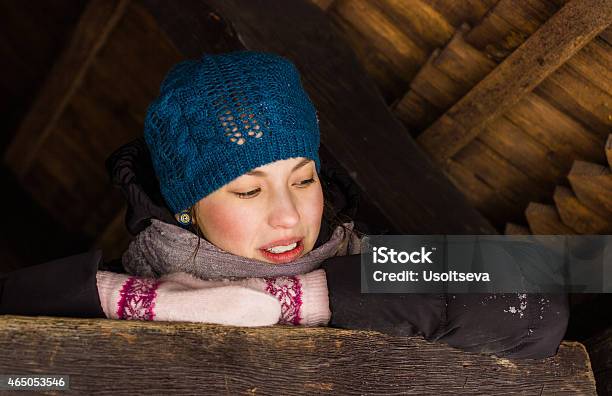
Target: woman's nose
point(283, 211)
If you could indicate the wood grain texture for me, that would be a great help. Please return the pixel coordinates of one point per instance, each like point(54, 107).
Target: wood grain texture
point(579, 217)
point(483, 196)
point(403, 54)
point(107, 357)
point(525, 152)
point(355, 121)
point(517, 186)
point(459, 12)
point(578, 97)
point(544, 220)
point(508, 24)
point(572, 27)
point(564, 137)
point(448, 74)
point(592, 184)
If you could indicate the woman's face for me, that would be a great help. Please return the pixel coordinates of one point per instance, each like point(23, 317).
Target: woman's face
point(271, 214)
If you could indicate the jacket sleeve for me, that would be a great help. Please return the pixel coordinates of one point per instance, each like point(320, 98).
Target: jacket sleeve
point(63, 287)
point(515, 325)
point(397, 314)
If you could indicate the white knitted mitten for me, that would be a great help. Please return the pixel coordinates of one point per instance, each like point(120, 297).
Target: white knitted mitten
point(304, 298)
point(166, 299)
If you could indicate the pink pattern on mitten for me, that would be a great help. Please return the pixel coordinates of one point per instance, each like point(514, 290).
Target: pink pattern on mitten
point(137, 299)
point(288, 291)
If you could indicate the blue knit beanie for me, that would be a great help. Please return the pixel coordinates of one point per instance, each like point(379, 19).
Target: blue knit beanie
point(222, 116)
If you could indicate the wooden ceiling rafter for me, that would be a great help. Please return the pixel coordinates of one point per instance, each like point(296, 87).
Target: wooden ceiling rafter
point(566, 32)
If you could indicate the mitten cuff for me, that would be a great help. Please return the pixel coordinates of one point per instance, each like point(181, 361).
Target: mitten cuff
point(126, 297)
point(109, 288)
point(315, 300)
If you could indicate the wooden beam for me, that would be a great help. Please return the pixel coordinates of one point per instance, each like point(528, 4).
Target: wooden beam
point(578, 216)
point(128, 357)
point(572, 27)
point(592, 184)
point(357, 127)
point(90, 35)
point(544, 220)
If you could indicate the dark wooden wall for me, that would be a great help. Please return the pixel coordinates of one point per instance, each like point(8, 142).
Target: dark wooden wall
point(32, 34)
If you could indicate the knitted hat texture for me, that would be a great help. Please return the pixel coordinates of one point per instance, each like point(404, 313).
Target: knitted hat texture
point(222, 116)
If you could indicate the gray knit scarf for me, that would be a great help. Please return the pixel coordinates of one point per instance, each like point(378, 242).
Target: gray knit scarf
point(164, 248)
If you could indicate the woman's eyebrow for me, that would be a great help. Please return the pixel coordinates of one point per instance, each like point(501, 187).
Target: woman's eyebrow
point(262, 173)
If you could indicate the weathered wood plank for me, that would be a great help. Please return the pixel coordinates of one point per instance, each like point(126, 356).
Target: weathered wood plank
point(462, 62)
point(418, 20)
point(544, 220)
point(566, 138)
point(403, 53)
point(181, 358)
point(355, 121)
point(525, 152)
point(505, 177)
point(448, 74)
point(578, 216)
point(508, 24)
point(458, 12)
point(483, 196)
point(91, 33)
point(390, 81)
point(580, 98)
point(436, 86)
point(415, 112)
point(594, 62)
point(592, 184)
point(553, 44)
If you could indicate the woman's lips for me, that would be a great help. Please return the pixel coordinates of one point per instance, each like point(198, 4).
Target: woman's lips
point(284, 257)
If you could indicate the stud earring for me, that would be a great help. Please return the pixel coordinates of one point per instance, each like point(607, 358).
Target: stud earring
point(184, 217)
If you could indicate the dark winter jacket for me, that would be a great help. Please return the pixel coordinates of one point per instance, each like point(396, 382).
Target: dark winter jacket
point(473, 322)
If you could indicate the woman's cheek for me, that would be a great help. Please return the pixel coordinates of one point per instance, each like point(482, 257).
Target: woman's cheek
point(228, 226)
point(231, 223)
point(313, 209)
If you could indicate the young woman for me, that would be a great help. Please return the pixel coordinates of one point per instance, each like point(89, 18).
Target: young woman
point(241, 234)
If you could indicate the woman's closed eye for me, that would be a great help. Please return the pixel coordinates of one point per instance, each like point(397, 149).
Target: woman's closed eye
point(248, 194)
point(255, 192)
point(305, 183)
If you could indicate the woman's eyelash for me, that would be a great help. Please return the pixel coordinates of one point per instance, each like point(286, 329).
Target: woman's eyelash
point(248, 194)
point(306, 182)
point(252, 193)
